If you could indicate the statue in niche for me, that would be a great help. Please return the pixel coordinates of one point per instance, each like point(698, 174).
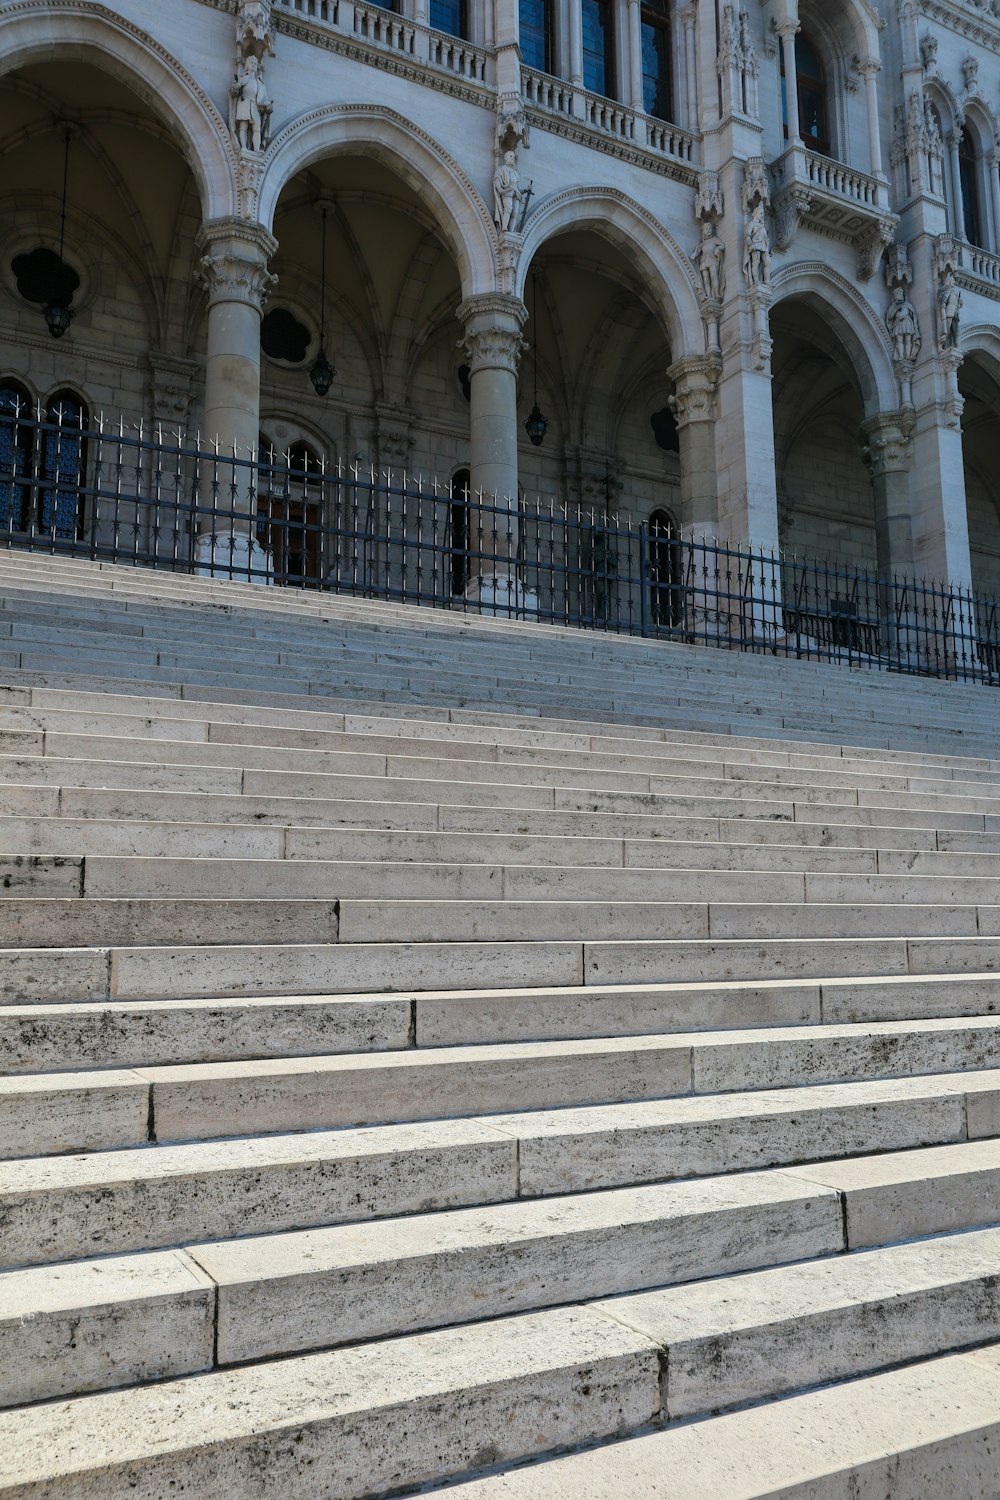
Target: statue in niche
point(253, 27)
point(949, 310)
point(710, 258)
point(249, 107)
point(757, 251)
point(904, 327)
point(506, 191)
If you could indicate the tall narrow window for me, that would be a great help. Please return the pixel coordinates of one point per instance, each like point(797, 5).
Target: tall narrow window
point(458, 531)
point(598, 46)
point(17, 456)
point(536, 34)
point(812, 91)
point(968, 172)
point(449, 16)
point(655, 31)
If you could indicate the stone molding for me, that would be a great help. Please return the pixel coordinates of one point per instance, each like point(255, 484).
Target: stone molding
point(492, 339)
point(233, 262)
point(696, 386)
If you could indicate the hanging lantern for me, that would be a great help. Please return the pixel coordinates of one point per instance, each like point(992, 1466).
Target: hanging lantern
point(537, 425)
point(322, 373)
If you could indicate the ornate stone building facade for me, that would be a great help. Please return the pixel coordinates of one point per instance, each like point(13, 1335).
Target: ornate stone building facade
point(744, 262)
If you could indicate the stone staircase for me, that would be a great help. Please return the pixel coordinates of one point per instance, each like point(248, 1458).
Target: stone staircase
point(437, 1052)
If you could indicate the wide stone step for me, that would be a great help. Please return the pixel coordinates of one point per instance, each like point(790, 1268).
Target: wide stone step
point(351, 1423)
point(106, 1202)
point(909, 1434)
point(35, 921)
point(85, 1110)
point(288, 1293)
point(42, 975)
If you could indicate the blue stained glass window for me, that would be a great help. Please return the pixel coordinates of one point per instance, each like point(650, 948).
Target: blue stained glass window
point(598, 46)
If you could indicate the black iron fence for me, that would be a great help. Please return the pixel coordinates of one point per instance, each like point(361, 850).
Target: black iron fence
point(124, 496)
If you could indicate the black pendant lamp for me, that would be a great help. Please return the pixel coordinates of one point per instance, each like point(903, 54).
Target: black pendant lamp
point(57, 311)
point(322, 373)
point(536, 426)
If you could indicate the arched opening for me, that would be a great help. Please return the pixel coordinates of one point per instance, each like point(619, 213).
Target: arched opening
point(133, 210)
point(656, 59)
point(979, 384)
point(666, 599)
point(814, 115)
point(826, 508)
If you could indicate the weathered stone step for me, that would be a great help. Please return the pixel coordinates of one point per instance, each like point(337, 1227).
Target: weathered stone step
point(909, 1434)
point(35, 921)
point(350, 1423)
point(39, 1038)
point(42, 975)
point(70, 1207)
point(187, 1101)
point(288, 1293)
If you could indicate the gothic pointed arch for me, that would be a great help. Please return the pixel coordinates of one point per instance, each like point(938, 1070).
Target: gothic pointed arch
point(47, 31)
point(854, 326)
point(667, 272)
point(371, 130)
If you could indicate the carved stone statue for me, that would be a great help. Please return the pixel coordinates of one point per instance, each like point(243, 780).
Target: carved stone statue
point(904, 327)
point(506, 191)
point(710, 258)
point(757, 250)
point(249, 107)
point(949, 310)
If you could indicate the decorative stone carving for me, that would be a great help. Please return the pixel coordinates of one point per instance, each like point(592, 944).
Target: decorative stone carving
point(791, 206)
point(696, 389)
point(756, 184)
point(970, 73)
point(904, 327)
point(750, 68)
point(506, 191)
point(871, 246)
point(757, 249)
point(492, 339)
point(250, 108)
point(710, 258)
point(513, 129)
point(394, 436)
point(171, 383)
point(888, 444)
point(949, 311)
point(709, 203)
point(929, 52)
point(737, 65)
point(233, 263)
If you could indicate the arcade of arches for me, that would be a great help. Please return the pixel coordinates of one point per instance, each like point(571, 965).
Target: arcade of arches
point(630, 417)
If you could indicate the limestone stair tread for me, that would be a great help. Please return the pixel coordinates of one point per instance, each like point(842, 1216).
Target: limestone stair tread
point(152, 1197)
point(106, 1108)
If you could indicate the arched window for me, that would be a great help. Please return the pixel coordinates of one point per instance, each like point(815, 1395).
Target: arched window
point(536, 34)
point(43, 464)
point(656, 84)
point(812, 94)
point(458, 532)
point(17, 456)
point(63, 467)
point(968, 181)
point(666, 602)
point(598, 47)
point(290, 513)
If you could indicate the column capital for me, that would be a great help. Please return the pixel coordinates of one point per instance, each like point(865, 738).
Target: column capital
point(888, 443)
point(493, 324)
point(788, 28)
point(233, 257)
point(696, 383)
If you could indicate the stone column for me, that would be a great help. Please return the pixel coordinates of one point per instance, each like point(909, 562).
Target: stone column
point(493, 345)
point(233, 270)
point(635, 54)
point(955, 195)
point(689, 20)
point(694, 404)
point(788, 31)
point(870, 70)
point(889, 456)
point(575, 43)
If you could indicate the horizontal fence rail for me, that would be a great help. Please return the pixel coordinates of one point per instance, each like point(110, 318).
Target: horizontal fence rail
point(121, 495)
